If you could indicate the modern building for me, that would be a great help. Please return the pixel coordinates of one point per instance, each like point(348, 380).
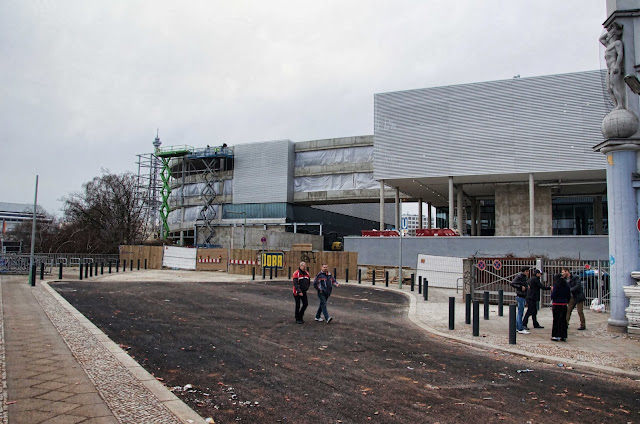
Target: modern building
point(11, 216)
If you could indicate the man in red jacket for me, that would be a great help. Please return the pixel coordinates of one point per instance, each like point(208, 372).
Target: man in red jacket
point(301, 283)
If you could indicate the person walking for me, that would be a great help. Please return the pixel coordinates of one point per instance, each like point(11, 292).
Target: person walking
point(301, 283)
point(520, 284)
point(533, 296)
point(560, 294)
point(577, 300)
point(324, 283)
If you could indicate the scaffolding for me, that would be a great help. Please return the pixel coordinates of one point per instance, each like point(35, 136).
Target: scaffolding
point(185, 162)
point(149, 190)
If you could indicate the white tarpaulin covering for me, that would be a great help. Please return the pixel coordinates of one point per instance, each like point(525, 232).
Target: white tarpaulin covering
point(179, 257)
point(191, 213)
point(358, 180)
point(193, 190)
point(335, 156)
point(440, 271)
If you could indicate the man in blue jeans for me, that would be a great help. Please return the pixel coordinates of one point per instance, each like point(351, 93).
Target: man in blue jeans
point(520, 284)
point(324, 283)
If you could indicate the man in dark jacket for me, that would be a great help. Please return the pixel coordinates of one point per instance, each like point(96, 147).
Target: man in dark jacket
point(560, 294)
point(520, 284)
point(533, 296)
point(576, 301)
point(301, 283)
point(324, 283)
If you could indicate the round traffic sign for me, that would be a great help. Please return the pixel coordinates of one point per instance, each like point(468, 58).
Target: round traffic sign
point(481, 265)
point(263, 239)
point(497, 264)
point(638, 224)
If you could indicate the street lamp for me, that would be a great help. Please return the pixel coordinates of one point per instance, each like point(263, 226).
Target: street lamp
point(244, 226)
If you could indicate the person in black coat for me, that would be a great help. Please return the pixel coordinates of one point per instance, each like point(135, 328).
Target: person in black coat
point(533, 296)
point(576, 301)
point(560, 294)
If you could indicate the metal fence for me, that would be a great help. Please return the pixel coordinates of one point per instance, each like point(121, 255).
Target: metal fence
point(19, 263)
point(494, 274)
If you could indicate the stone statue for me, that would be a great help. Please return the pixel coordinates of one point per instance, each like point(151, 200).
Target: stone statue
point(613, 56)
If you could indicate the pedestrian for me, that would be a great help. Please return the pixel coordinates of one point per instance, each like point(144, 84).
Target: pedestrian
point(520, 284)
point(560, 294)
point(301, 283)
point(533, 296)
point(324, 283)
point(577, 300)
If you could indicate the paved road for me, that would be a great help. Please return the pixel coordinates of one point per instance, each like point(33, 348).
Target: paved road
point(246, 359)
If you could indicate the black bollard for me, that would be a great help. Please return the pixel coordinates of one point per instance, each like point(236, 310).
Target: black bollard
point(102, 268)
point(253, 273)
point(425, 289)
point(109, 267)
point(386, 278)
point(118, 265)
point(80, 271)
point(33, 275)
point(264, 272)
point(289, 272)
point(131, 265)
point(86, 270)
point(138, 264)
point(500, 302)
point(60, 271)
point(42, 271)
point(452, 312)
point(346, 275)
point(512, 324)
point(419, 284)
point(467, 308)
point(335, 274)
point(486, 305)
point(413, 281)
point(90, 266)
point(476, 318)
point(145, 263)
point(373, 277)
point(124, 265)
point(359, 276)
point(96, 268)
point(276, 273)
point(270, 273)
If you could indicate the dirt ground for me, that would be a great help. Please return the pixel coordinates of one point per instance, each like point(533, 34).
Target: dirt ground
point(233, 352)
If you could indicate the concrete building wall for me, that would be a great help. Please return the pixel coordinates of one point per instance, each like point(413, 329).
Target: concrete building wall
point(512, 210)
point(384, 250)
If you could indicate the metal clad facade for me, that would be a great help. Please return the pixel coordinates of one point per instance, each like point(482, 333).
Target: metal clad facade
point(263, 172)
point(523, 125)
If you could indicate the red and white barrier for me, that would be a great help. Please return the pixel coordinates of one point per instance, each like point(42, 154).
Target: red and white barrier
point(241, 262)
point(208, 260)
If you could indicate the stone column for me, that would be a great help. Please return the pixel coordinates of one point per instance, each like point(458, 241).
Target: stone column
point(420, 214)
point(532, 206)
point(398, 212)
point(381, 205)
point(474, 203)
point(451, 202)
point(429, 217)
point(461, 226)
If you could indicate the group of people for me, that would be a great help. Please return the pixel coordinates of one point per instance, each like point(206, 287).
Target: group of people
point(323, 283)
point(566, 294)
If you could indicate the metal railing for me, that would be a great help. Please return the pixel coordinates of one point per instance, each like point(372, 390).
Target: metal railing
point(19, 263)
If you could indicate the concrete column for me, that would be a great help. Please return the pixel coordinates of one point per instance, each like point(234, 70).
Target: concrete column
point(623, 235)
point(474, 203)
point(598, 225)
point(381, 205)
point(460, 224)
point(532, 208)
point(398, 209)
point(479, 221)
point(420, 214)
point(429, 217)
point(451, 206)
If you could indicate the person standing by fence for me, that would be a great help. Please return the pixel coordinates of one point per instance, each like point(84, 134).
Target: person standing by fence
point(577, 300)
point(560, 294)
point(520, 284)
point(533, 296)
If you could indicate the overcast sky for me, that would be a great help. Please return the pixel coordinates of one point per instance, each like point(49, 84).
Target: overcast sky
point(85, 84)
